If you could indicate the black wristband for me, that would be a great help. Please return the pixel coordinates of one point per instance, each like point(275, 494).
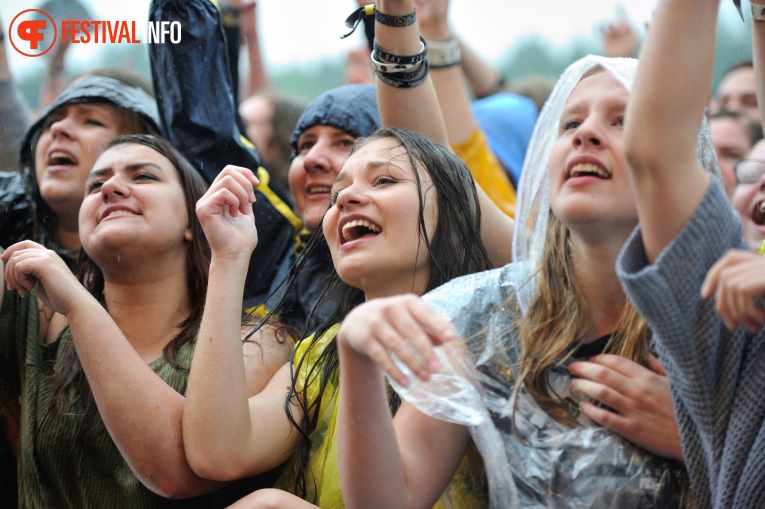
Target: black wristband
point(396, 21)
point(405, 80)
point(381, 54)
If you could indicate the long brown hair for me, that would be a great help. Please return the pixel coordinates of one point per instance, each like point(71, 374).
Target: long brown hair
point(456, 249)
point(558, 319)
point(71, 379)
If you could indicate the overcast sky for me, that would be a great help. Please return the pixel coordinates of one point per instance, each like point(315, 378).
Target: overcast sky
point(301, 31)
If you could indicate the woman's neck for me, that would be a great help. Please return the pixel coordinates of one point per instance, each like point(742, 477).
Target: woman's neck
point(149, 309)
point(595, 269)
point(389, 290)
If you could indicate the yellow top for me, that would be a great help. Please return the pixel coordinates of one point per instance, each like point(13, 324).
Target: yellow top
point(487, 171)
point(323, 476)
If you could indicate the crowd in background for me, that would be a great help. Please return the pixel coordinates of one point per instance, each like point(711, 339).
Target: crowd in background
point(429, 287)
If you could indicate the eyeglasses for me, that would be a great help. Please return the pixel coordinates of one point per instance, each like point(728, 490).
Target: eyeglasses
point(749, 171)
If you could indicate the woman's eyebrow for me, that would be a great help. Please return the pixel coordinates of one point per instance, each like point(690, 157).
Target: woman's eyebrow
point(131, 168)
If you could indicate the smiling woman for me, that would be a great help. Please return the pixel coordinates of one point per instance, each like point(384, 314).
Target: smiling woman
point(58, 151)
point(374, 201)
point(543, 338)
point(131, 192)
point(421, 207)
point(96, 359)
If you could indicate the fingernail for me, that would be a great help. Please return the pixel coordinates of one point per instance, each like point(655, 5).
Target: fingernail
point(434, 365)
point(423, 374)
point(449, 334)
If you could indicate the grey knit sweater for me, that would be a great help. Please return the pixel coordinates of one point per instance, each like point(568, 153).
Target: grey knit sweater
point(717, 376)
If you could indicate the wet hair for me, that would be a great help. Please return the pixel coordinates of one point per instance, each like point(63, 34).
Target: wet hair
point(456, 249)
point(557, 319)
point(72, 378)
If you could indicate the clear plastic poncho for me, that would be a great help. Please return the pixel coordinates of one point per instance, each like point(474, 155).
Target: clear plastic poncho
point(531, 460)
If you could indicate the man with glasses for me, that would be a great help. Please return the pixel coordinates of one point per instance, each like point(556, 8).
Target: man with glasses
point(749, 197)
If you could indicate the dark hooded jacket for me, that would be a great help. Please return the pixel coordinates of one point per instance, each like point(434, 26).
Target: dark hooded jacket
point(302, 277)
point(24, 215)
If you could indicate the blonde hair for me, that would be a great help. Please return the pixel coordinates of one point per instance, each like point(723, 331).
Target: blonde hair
point(558, 319)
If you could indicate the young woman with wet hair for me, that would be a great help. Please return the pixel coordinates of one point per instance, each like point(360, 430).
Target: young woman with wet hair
point(246, 437)
point(404, 218)
point(554, 321)
point(97, 358)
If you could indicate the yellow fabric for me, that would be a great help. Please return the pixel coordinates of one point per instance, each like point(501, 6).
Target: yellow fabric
point(283, 208)
point(487, 171)
point(468, 488)
point(323, 477)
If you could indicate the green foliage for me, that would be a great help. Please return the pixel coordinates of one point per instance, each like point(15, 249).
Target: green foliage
point(308, 81)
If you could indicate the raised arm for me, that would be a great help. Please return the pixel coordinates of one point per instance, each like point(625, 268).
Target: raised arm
point(496, 193)
point(418, 109)
point(405, 462)
point(227, 436)
point(664, 115)
point(257, 76)
point(15, 116)
point(415, 108)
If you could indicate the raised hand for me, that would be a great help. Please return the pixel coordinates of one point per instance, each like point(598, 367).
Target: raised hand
point(403, 325)
point(432, 18)
point(619, 39)
point(30, 266)
point(225, 212)
point(638, 403)
point(736, 281)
